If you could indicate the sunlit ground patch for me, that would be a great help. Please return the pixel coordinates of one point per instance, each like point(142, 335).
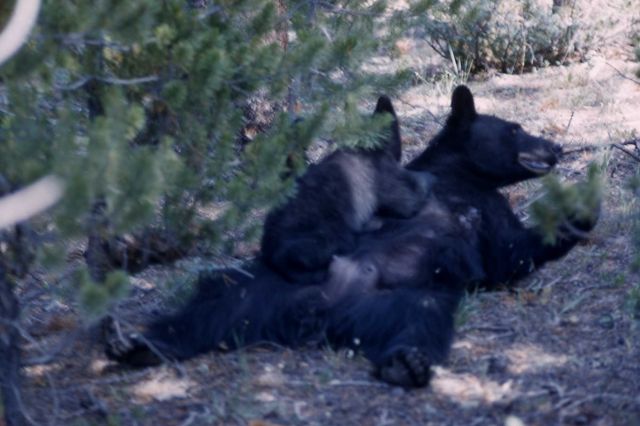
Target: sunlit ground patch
point(162, 386)
point(524, 358)
point(470, 390)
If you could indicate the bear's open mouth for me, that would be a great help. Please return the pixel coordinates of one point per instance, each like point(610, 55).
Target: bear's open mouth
point(534, 163)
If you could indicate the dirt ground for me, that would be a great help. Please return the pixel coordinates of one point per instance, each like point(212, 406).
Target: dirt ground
point(563, 348)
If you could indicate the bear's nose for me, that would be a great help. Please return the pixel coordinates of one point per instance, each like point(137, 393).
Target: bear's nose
point(556, 149)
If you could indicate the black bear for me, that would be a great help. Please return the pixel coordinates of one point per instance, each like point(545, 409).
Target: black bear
point(335, 200)
point(466, 233)
point(399, 309)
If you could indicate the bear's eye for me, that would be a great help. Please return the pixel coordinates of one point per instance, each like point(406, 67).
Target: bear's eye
point(515, 130)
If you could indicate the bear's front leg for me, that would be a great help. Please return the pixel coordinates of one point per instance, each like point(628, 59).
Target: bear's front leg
point(522, 250)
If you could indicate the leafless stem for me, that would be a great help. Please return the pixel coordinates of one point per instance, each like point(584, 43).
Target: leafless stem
point(623, 75)
point(590, 148)
point(626, 151)
point(568, 406)
point(111, 80)
point(569, 123)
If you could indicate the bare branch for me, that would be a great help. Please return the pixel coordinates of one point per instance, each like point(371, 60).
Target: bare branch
point(626, 151)
point(590, 148)
point(17, 30)
point(128, 82)
point(110, 80)
point(29, 201)
point(623, 75)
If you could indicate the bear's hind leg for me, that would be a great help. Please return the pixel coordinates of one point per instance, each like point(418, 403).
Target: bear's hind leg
point(402, 332)
point(407, 367)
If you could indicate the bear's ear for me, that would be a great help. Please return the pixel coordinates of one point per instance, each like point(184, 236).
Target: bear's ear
point(393, 143)
point(384, 105)
point(462, 106)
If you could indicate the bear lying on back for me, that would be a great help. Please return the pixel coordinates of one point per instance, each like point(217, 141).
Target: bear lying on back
point(335, 200)
point(466, 232)
point(400, 311)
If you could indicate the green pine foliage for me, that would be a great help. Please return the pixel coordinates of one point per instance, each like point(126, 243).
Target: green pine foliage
point(563, 203)
point(5, 11)
point(139, 105)
point(96, 298)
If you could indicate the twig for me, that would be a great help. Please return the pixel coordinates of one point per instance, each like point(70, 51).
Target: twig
point(193, 416)
point(522, 207)
point(47, 374)
point(243, 271)
point(114, 323)
point(573, 231)
point(364, 383)
point(78, 84)
point(435, 118)
point(589, 148)
point(111, 80)
point(566, 408)
point(623, 75)
point(554, 387)
point(490, 329)
point(569, 123)
point(626, 151)
point(128, 82)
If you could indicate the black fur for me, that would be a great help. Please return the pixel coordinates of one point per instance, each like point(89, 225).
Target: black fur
point(400, 312)
point(335, 200)
point(466, 234)
point(470, 159)
point(402, 331)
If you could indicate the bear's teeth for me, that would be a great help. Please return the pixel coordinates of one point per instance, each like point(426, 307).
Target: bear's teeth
point(536, 167)
point(533, 165)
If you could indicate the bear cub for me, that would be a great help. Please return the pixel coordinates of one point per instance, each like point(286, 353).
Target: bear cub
point(336, 199)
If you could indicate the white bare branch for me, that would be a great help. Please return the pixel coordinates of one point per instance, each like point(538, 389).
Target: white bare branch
point(17, 30)
point(29, 201)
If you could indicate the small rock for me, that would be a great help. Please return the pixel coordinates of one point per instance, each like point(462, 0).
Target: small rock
point(607, 322)
point(513, 421)
point(398, 391)
point(497, 365)
point(203, 369)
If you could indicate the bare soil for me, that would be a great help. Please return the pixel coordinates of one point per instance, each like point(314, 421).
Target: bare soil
point(563, 347)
